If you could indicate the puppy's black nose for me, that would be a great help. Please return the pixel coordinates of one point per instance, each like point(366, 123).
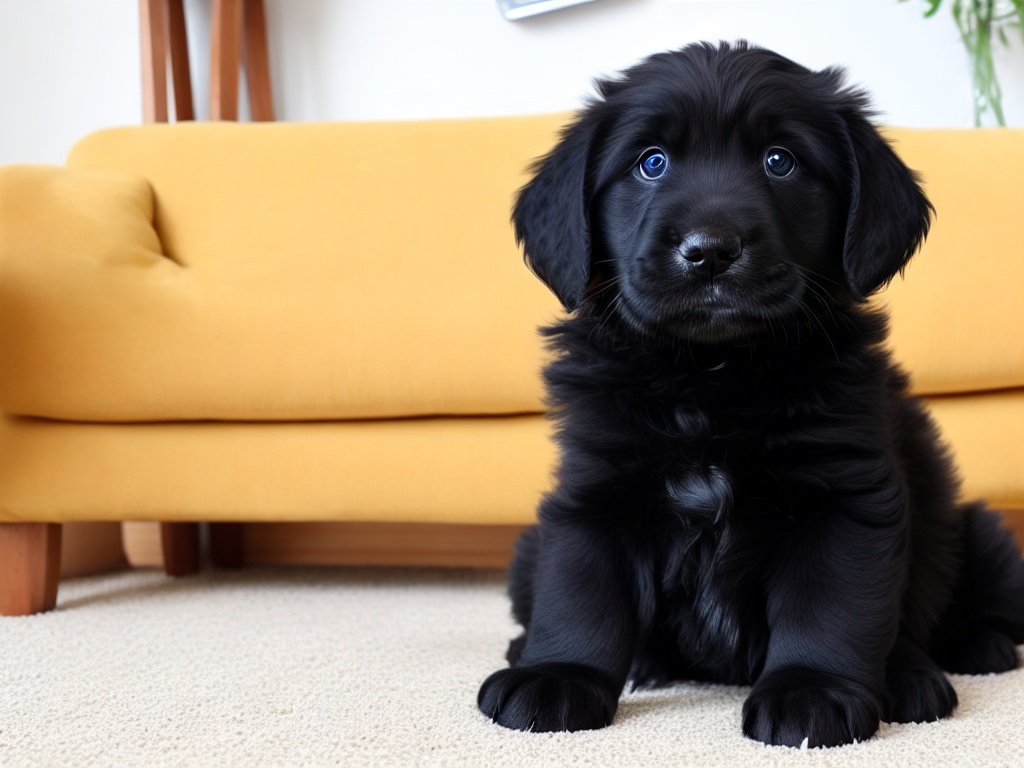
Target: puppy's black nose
point(713, 250)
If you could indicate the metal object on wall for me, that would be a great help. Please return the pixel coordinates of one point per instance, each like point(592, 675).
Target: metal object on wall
point(521, 9)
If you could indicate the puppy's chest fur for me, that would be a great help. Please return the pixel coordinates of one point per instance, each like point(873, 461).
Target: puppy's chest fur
point(709, 462)
point(714, 515)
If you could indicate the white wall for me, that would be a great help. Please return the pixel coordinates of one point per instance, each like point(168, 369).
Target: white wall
point(68, 67)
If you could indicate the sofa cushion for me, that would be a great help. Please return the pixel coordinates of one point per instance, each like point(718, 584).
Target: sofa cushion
point(454, 470)
point(958, 317)
point(364, 270)
point(487, 470)
point(273, 272)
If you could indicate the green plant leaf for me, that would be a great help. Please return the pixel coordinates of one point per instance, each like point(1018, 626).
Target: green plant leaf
point(978, 24)
point(1018, 8)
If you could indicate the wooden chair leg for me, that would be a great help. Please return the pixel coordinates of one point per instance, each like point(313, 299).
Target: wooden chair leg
point(181, 74)
point(225, 58)
point(180, 545)
point(162, 27)
point(153, 29)
point(257, 61)
point(29, 567)
point(227, 545)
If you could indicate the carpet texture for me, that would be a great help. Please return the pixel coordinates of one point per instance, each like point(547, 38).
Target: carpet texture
point(368, 667)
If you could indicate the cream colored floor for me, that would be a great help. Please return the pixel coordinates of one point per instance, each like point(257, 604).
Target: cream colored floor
point(367, 667)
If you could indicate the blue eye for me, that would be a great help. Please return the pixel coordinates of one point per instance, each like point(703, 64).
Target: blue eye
point(779, 162)
point(653, 163)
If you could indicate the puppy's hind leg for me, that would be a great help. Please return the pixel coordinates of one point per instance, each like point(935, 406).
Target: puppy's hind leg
point(917, 691)
point(985, 623)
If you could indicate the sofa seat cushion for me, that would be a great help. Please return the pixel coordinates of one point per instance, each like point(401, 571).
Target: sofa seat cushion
point(451, 470)
point(486, 470)
point(273, 272)
point(983, 433)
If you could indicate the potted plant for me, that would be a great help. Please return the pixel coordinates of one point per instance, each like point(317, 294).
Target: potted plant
point(981, 22)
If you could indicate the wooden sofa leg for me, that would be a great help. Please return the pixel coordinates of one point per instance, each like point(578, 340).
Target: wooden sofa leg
point(180, 545)
point(29, 567)
point(227, 545)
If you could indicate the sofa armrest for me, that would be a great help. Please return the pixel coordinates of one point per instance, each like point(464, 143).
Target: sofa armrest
point(62, 232)
point(50, 212)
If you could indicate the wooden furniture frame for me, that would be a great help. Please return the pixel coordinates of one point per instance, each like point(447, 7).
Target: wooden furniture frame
point(238, 40)
point(30, 568)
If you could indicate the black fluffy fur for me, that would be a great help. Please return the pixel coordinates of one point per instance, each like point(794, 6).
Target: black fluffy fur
point(747, 493)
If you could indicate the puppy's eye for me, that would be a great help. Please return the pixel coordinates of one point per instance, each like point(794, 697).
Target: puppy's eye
point(779, 162)
point(652, 163)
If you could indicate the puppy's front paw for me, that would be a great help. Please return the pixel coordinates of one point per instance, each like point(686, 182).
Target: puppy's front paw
point(789, 706)
point(549, 697)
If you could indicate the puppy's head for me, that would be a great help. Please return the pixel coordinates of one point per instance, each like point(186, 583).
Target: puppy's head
point(712, 192)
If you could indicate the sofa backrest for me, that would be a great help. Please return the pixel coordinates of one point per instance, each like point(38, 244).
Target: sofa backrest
point(306, 271)
point(365, 270)
point(354, 200)
point(958, 312)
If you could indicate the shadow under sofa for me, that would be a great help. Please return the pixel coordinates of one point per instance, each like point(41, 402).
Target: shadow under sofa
point(331, 323)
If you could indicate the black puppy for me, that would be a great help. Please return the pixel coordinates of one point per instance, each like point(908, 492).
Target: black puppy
point(747, 493)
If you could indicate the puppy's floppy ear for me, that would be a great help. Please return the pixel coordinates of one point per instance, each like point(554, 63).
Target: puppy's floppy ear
point(551, 217)
point(889, 214)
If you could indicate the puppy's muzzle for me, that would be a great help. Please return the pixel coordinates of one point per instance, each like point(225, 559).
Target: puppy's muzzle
point(709, 252)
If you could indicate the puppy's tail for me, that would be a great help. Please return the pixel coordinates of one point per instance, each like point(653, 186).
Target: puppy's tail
point(985, 622)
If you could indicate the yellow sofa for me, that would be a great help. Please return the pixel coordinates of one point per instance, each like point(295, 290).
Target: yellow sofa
point(331, 322)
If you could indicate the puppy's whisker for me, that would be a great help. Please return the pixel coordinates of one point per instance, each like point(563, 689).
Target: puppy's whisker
point(819, 278)
point(609, 311)
point(607, 285)
point(813, 316)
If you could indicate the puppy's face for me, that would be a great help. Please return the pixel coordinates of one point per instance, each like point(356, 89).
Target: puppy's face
point(713, 193)
point(717, 213)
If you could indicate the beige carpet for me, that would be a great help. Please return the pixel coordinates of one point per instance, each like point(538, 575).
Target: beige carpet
point(368, 668)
